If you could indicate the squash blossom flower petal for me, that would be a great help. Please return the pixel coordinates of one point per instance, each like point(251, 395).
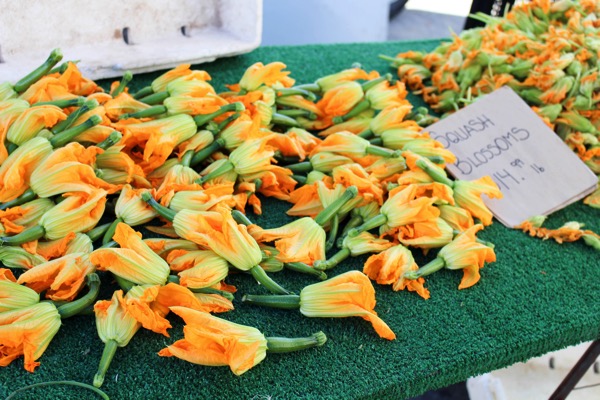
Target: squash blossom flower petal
point(134, 261)
point(14, 296)
point(178, 176)
point(302, 240)
point(467, 195)
point(62, 278)
point(466, 254)
point(78, 212)
point(113, 322)
point(259, 74)
point(426, 234)
point(203, 199)
point(207, 104)
point(28, 332)
point(33, 211)
point(348, 75)
point(458, 218)
point(218, 231)
point(16, 170)
point(215, 342)
point(131, 209)
point(149, 304)
point(364, 243)
point(32, 121)
point(199, 268)
point(389, 266)
point(340, 99)
point(403, 208)
point(350, 294)
point(124, 103)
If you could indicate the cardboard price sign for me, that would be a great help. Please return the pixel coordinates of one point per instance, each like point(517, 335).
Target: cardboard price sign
point(500, 136)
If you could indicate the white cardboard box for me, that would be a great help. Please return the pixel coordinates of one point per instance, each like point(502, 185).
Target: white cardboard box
point(112, 36)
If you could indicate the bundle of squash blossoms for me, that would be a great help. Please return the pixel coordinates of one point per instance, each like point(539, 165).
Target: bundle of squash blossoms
point(152, 190)
point(547, 52)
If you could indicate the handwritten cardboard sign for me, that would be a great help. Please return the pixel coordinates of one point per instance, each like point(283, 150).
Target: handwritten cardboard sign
point(500, 136)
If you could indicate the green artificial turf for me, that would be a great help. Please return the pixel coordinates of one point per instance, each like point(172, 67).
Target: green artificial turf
point(538, 297)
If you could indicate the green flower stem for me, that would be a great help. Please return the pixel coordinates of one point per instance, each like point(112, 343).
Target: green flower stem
point(369, 84)
point(205, 118)
point(355, 221)
point(280, 119)
point(65, 124)
point(206, 152)
point(241, 218)
point(331, 210)
point(333, 260)
point(305, 269)
point(301, 167)
point(436, 159)
point(127, 77)
point(333, 232)
point(393, 60)
point(288, 302)
point(155, 98)
point(27, 195)
point(187, 158)
point(64, 137)
point(436, 175)
point(60, 69)
point(146, 113)
point(24, 83)
point(110, 348)
point(261, 277)
point(222, 169)
point(64, 103)
point(299, 178)
point(296, 91)
point(143, 92)
point(432, 266)
point(382, 151)
point(311, 87)
point(109, 245)
point(28, 235)
point(108, 235)
point(366, 134)
point(111, 140)
point(223, 124)
point(480, 241)
point(50, 383)
point(369, 224)
point(360, 107)
point(286, 345)
point(98, 232)
point(163, 211)
point(75, 307)
point(123, 283)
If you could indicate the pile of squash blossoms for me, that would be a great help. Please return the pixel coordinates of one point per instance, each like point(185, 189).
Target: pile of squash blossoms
point(151, 190)
point(548, 53)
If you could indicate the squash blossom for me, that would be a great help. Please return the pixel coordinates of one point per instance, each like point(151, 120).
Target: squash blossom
point(16, 170)
point(131, 209)
point(198, 268)
point(27, 331)
point(389, 266)
point(302, 240)
point(465, 253)
point(115, 328)
point(259, 74)
point(78, 212)
point(18, 257)
point(32, 121)
point(350, 294)
point(133, 261)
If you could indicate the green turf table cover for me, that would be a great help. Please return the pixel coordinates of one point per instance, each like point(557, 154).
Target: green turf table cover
point(538, 297)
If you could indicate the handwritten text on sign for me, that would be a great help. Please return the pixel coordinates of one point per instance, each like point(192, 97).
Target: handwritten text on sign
point(500, 136)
